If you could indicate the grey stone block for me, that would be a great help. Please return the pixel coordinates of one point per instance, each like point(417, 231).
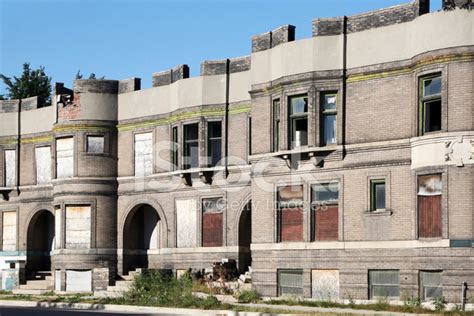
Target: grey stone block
point(95, 86)
point(129, 85)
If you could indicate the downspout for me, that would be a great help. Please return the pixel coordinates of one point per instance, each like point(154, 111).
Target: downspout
point(226, 118)
point(18, 148)
point(344, 84)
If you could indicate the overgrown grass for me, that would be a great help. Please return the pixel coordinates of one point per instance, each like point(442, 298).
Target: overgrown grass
point(248, 296)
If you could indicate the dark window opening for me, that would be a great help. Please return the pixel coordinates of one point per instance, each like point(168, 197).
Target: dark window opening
point(377, 195)
point(329, 119)
point(276, 125)
point(214, 143)
point(191, 146)
point(430, 105)
point(298, 121)
point(174, 151)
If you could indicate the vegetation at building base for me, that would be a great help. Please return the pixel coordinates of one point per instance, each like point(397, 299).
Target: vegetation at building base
point(32, 82)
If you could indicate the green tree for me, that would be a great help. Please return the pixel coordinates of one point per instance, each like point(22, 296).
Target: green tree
point(32, 82)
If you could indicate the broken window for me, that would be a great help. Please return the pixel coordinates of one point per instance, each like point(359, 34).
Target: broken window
point(95, 144)
point(430, 104)
point(78, 227)
point(9, 231)
point(325, 211)
point(10, 168)
point(64, 157)
point(430, 189)
point(377, 195)
point(290, 213)
point(43, 165)
point(431, 284)
point(174, 148)
point(290, 282)
point(214, 143)
point(276, 125)
point(384, 283)
point(329, 118)
point(191, 146)
point(212, 223)
point(143, 154)
point(298, 121)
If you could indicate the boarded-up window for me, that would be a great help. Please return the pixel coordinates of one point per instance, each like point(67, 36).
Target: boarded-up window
point(57, 227)
point(325, 211)
point(43, 165)
point(10, 168)
point(290, 282)
point(9, 231)
point(430, 188)
point(212, 223)
point(64, 157)
point(325, 285)
point(79, 280)
point(186, 223)
point(384, 283)
point(431, 284)
point(143, 154)
point(95, 144)
point(78, 227)
point(290, 213)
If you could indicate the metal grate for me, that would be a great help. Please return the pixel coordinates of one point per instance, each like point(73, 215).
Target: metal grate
point(290, 282)
point(384, 283)
point(431, 284)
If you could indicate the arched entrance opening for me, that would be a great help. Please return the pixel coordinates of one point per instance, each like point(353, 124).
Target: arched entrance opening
point(40, 242)
point(245, 238)
point(140, 234)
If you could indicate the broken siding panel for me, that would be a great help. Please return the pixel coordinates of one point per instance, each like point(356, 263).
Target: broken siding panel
point(212, 223)
point(9, 231)
point(186, 223)
point(65, 157)
point(78, 227)
point(10, 168)
point(143, 154)
point(43, 165)
point(325, 285)
point(430, 189)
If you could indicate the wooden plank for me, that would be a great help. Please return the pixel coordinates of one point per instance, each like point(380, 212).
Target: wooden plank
point(327, 223)
point(291, 224)
point(429, 216)
point(212, 229)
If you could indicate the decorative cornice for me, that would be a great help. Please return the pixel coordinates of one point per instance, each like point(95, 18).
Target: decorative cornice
point(181, 117)
point(443, 59)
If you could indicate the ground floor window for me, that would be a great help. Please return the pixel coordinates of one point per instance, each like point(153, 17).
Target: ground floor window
point(431, 284)
point(384, 283)
point(290, 213)
point(290, 282)
point(212, 223)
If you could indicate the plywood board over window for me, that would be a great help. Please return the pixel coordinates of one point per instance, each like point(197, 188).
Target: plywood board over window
point(212, 223)
point(9, 231)
point(78, 227)
point(65, 157)
point(186, 223)
point(10, 168)
point(143, 154)
point(430, 190)
point(43, 165)
point(325, 285)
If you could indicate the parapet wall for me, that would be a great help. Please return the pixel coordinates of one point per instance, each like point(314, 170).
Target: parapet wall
point(26, 105)
point(379, 18)
point(219, 67)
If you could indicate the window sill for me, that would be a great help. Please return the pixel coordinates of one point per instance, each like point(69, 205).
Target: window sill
point(296, 151)
point(381, 212)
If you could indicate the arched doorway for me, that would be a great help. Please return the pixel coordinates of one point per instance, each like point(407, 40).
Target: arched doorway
point(140, 234)
point(245, 237)
point(40, 242)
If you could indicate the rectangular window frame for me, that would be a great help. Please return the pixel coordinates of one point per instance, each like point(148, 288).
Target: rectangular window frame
point(174, 148)
point(293, 118)
point(423, 101)
point(300, 289)
point(279, 214)
point(315, 207)
point(6, 170)
point(73, 156)
point(326, 113)
point(185, 164)
point(50, 163)
point(276, 125)
point(211, 163)
point(371, 285)
point(86, 144)
point(152, 151)
point(422, 284)
point(201, 220)
point(373, 195)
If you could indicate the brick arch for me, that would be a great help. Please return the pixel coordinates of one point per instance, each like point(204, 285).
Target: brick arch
point(134, 205)
point(32, 214)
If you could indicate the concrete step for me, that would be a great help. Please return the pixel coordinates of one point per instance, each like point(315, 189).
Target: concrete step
point(127, 277)
point(31, 291)
point(46, 287)
point(112, 294)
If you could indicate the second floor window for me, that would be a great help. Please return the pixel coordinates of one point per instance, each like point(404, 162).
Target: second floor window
point(43, 165)
point(10, 167)
point(64, 157)
point(430, 104)
point(191, 146)
point(298, 121)
point(276, 125)
point(214, 143)
point(329, 119)
point(174, 148)
point(143, 154)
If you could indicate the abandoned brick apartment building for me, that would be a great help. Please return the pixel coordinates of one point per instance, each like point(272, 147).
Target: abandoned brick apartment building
point(335, 166)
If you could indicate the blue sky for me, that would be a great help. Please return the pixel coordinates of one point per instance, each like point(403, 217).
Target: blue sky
point(134, 38)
